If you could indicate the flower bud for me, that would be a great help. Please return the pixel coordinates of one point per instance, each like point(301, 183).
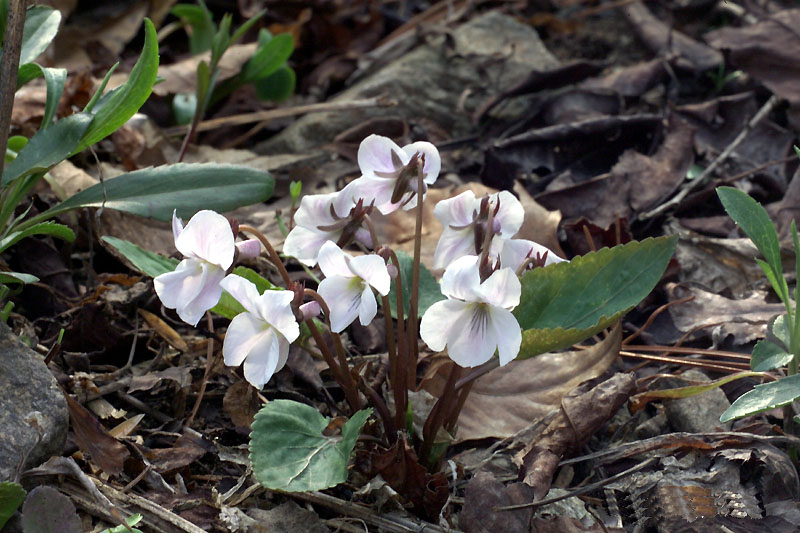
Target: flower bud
point(392, 269)
point(362, 235)
point(249, 249)
point(310, 310)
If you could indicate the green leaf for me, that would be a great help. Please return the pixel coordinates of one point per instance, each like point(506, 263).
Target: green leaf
point(768, 356)
point(13, 278)
point(48, 147)
point(46, 510)
point(44, 228)
point(41, 26)
point(130, 521)
point(120, 105)
point(429, 291)
point(764, 397)
point(238, 34)
point(756, 224)
point(98, 94)
point(203, 28)
point(145, 261)
point(779, 327)
point(290, 452)
point(278, 86)
point(54, 79)
point(156, 191)
point(268, 58)
point(228, 306)
point(567, 302)
point(11, 497)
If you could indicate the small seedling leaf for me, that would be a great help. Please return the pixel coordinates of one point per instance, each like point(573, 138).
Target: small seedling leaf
point(11, 497)
point(768, 356)
point(764, 397)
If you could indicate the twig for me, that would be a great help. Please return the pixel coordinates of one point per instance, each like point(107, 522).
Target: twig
point(272, 114)
point(690, 186)
point(582, 490)
point(9, 64)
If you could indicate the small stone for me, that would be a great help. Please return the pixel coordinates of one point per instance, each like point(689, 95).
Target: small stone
point(33, 413)
point(700, 413)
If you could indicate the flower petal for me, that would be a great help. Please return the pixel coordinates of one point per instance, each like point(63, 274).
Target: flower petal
point(502, 289)
point(510, 214)
point(263, 359)
point(516, 251)
point(243, 291)
point(243, 334)
point(472, 340)
point(375, 155)
point(208, 236)
point(452, 245)
point(372, 190)
point(191, 289)
point(433, 162)
point(249, 249)
point(372, 269)
point(209, 295)
point(177, 224)
point(333, 261)
point(438, 320)
point(456, 211)
point(367, 307)
point(315, 210)
point(462, 280)
point(343, 296)
point(507, 332)
point(274, 307)
point(304, 244)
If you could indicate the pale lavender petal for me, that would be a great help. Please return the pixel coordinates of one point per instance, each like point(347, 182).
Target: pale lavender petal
point(373, 190)
point(333, 261)
point(452, 245)
point(191, 289)
point(177, 225)
point(438, 320)
point(274, 307)
point(472, 341)
point(507, 332)
point(249, 249)
point(462, 280)
point(511, 213)
point(343, 296)
point(208, 236)
point(375, 155)
point(310, 309)
point(263, 359)
point(192, 311)
point(433, 163)
point(363, 236)
point(372, 269)
point(516, 251)
point(502, 288)
point(283, 352)
point(315, 210)
point(243, 291)
point(304, 244)
point(244, 332)
point(458, 210)
point(368, 307)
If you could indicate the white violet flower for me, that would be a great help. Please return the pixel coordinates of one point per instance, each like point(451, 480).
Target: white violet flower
point(475, 320)
point(261, 335)
point(515, 252)
point(347, 287)
point(207, 244)
point(390, 174)
point(465, 220)
point(320, 218)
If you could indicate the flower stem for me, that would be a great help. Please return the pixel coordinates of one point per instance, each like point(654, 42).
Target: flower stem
point(413, 317)
point(400, 381)
point(273, 255)
point(444, 405)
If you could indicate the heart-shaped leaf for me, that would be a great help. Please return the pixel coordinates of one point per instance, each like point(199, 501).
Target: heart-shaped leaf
point(290, 450)
point(567, 302)
point(764, 397)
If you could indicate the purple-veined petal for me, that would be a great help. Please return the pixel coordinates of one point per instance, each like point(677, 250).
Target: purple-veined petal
point(507, 332)
point(244, 332)
point(367, 307)
point(372, 269)
point(502, 289)
point(315, 210)
point(462, 280)
point(472, 341)
point(304, 244)
point(243, 291)
point(208, 236)
point(452, 245)
point(456, 211)
point(438, 320)
point(375, 155)
point(510, 215)
point(177, 225)
point(333, 261)
point(343, 296)
point(433, 163)
point(274, 307)
point(263, 359)
point(249, 249)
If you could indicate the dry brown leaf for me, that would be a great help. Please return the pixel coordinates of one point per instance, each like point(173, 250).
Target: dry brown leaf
point(92, 438)
point(126, 427)
point(485, 492)
point(511, 398)
point(181, 77)
point(240, 404)
point(179, 374)
point(164, 330)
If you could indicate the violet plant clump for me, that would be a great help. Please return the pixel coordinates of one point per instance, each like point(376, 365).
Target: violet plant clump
point(487, 274)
